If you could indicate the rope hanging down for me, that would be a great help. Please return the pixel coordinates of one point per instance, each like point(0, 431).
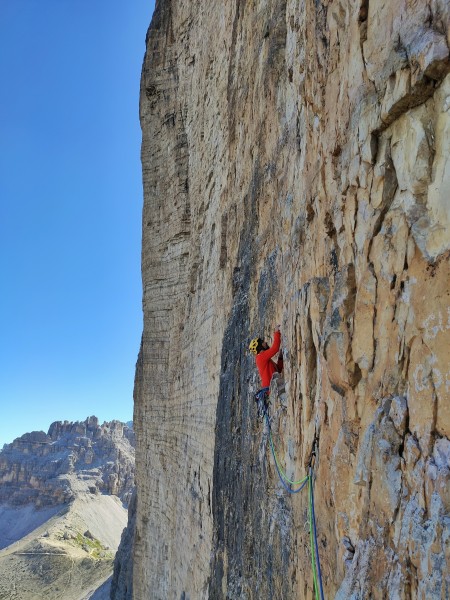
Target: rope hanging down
point(317, 572)
point(308, 479)
point(281, 474)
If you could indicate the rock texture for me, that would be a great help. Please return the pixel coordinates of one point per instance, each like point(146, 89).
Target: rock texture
point(122, 580)
point(296, 171)
point(51, 469)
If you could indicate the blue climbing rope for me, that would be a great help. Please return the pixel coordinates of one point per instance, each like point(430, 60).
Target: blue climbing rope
point(316, 545)
point(315, 559)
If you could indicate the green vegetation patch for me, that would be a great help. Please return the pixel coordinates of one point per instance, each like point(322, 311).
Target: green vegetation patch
point(93, 546)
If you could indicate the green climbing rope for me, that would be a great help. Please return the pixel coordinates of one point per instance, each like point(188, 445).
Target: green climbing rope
point(308, 479)
point(311, 537)
point(285, 477)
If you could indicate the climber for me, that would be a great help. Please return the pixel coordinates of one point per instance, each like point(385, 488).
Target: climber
point(266, 366)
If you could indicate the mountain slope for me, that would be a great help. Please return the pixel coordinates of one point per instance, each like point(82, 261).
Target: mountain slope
point(60, 518)
point(58, 561)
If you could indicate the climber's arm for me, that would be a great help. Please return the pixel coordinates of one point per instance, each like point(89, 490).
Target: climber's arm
point(274, 347)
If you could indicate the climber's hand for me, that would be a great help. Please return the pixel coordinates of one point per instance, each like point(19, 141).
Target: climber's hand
point(277, 328)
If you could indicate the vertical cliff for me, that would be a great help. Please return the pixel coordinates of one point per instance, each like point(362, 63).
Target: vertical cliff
point(296, 171)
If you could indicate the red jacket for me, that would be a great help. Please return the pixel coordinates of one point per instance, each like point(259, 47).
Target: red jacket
point(267, 367)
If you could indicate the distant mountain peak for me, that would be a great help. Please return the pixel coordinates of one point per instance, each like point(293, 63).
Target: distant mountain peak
point(73, 458)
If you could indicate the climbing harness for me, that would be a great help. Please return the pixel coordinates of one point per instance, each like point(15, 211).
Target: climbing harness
point(288, 485)
point(260, 399)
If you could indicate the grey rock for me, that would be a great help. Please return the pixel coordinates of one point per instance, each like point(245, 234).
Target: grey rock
point(122, 580)
point(348, 545)
point(399, 413)
point(49, 469)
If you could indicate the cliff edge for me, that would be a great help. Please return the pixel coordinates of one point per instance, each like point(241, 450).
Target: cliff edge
point(295, 169)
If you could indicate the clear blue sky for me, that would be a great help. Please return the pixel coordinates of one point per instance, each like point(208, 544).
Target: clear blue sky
point(71, 201)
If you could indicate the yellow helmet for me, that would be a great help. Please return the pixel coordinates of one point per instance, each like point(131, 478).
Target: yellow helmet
point(253, 346)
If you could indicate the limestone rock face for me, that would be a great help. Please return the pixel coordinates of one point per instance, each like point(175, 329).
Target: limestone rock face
point(122, 580)
point(296, 171)
point(50, 469)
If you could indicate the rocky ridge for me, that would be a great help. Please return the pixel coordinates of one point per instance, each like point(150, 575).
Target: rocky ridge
point(48, 469)
point(295, 168)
